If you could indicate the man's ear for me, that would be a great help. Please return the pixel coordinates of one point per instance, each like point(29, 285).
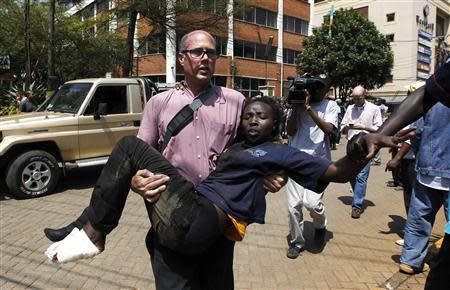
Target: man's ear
point(181, 58)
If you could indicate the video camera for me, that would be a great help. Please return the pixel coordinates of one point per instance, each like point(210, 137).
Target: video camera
point(303, 84)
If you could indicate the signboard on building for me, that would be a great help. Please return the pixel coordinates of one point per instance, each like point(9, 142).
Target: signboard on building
point(423, 75)
point(424, 58)
point(424, 44)
point(424, 50)
point(424, 34)
point(423, 66)
point(5, 63)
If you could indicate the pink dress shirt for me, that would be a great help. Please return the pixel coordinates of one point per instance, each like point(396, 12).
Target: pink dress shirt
point(194, 151)
point(369, 115)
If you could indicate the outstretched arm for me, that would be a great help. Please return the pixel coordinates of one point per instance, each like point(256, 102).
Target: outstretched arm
point(346, 168)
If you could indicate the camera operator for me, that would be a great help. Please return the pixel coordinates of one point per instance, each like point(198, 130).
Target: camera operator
point(313, 119)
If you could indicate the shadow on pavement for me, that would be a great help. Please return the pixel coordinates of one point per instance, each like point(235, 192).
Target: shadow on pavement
point(315, 244)
point(396, 226)
point(396, 258)
point(347, 200)
point(80, 178)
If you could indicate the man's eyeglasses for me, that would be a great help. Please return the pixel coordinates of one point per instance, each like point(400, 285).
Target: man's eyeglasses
point(200, 52)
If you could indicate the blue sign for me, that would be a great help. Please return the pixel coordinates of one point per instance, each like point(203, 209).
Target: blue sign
point(425, 34)
point(424, 58)
point(424, 50)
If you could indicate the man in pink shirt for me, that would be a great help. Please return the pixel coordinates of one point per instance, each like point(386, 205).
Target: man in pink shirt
point(193, 152)
point(362, 116)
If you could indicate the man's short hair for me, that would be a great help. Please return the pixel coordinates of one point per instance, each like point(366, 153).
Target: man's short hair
point(185, 38)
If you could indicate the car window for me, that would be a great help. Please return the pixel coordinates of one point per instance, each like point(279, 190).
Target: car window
point(114, 96)
point(69, 98)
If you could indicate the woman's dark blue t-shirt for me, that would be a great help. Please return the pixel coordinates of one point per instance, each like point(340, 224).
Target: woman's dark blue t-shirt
point(236, 186)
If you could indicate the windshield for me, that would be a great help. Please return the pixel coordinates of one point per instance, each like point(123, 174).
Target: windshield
point(69, 98)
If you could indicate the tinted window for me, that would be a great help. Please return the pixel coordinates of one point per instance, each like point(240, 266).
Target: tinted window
point(114, 96)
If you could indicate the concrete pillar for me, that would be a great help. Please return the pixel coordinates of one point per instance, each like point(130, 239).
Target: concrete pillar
point(171, 44)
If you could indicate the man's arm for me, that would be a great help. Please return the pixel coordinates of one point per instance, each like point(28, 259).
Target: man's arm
point(325, 126)
point(146, 183)
point(291, 127)
point(346, 168)
point(394, 162)
point(274, 183)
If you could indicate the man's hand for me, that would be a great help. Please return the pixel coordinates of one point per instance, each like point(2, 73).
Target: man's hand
point(392, 164)
point(148, 184)
point(365, 146)
point(274, 183)
point(375, 141)
point(358, 126)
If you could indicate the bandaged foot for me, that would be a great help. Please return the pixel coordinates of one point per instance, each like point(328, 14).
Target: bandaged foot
point(75, 246)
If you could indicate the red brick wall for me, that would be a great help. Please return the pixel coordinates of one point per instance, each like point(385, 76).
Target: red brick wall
point(296, 8)
point(293, 40)
point(266, 4)
point(254, 33)
point(154, 64)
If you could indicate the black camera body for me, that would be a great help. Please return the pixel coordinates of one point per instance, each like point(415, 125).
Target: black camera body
point(302, 85)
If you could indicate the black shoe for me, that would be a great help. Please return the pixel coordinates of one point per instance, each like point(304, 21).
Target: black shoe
point(56, 235)
point(294, 251)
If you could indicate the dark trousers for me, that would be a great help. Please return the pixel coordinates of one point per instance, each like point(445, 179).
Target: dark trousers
point(186, 245)
point(438, 278)
point(407, 178)
point(184, 220)
point(212, 269)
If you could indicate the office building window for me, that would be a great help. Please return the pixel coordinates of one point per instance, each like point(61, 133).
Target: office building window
point(258, 15)
point(221, 45)
point(152, 45)
point(102, 5)
point(295, 25)
point(213, 6)
point(390, 17)
point(440, 26)
point(249, 87)
point(390, 37)
point(289, 55)
point(253, 50)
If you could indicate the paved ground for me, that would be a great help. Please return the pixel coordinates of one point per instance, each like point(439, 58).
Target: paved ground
point(358, 254)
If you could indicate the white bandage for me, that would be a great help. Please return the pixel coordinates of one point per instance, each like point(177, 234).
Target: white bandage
point(75, 246)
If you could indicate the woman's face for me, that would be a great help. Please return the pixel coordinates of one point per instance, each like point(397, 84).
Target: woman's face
point(258, 123)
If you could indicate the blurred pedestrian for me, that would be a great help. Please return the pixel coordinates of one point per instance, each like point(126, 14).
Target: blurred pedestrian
point(404, 159)
point(26, 105)
point(362, 116)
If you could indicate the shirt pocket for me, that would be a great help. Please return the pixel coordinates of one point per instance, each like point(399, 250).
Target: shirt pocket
point(219, 135)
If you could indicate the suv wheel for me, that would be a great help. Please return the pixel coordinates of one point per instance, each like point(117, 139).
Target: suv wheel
point(33, 173)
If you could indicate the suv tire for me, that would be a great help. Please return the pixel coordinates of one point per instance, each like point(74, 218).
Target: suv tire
point(32, 174)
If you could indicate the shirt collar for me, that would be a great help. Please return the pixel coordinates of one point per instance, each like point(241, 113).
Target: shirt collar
point(211, 87)
point(362, 107)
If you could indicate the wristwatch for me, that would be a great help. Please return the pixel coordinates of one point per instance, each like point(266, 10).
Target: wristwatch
point(308, 108)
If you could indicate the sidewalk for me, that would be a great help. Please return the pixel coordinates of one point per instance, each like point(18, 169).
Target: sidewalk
point(359, 254)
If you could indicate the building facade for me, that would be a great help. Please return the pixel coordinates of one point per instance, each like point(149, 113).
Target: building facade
point(257, 46)
point(418, 31)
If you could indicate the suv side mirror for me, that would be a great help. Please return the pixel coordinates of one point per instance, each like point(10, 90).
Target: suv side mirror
point(101, 110)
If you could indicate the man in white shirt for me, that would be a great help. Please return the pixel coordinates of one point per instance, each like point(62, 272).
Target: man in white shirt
point(310, 125)
point(362, 116)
